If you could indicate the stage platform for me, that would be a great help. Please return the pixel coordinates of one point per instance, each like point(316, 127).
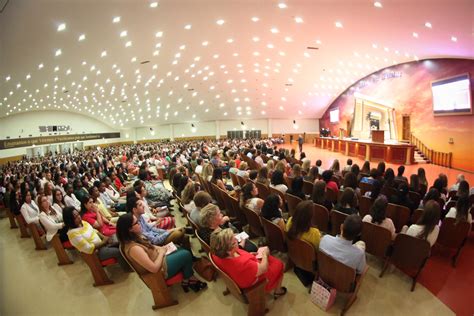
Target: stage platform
point(389, 151)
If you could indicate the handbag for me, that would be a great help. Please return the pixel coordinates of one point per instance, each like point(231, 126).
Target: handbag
point(205, 269)
point(322, 294)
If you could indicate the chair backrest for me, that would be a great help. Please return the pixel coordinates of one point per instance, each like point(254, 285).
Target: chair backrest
point(233, 177)
point(282, 195)
point(193, 224)
point(274, 235)
point(254, 221)
point(302, 254)
point(241, 181)
point(453, 235)
point(237, 210)
point(399, 215)
point(377, 239)
point(414, 197)
point(218, 196)
point(320, 217)
point(292, 201)
point(289, 182)
point(337, 218)
point(331, 195)
point(307, 187)
point(416, 215)
point(204, 244)
point(365, 204)
point(263, 190)
point(410, 252)
point(228, 204)
point(335, 273)
point(450, 204)
point(365, 187)
point(229, 283)
point(388, 191)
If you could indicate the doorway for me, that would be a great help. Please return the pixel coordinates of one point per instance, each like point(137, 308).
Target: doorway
point(406, 127)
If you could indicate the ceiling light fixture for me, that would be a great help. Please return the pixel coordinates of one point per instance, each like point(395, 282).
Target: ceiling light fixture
point(298, 19)
point(81, 37)
point(220, 22)
point(377, 4)
point(154, 4)
point(116, 19)
point(255, 19)
point(415, 35)
point(61, 27)
point(187, 27)
point(282, 5)
point(123, 33)
point(428, 25)
point(338, 24)
point(159, 34)
point(454, 38)
point(58, 52)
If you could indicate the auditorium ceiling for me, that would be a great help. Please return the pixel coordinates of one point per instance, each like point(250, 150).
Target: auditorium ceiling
point(131, 63)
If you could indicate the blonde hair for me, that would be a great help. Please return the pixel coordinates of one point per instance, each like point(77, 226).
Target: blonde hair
point(243, 165)
point(208, 214)
point(296, 170)
point(188, 193)
point(207, 171)
point(222, 242)
point(281, 167)
point(306, 165)
point(270, 164)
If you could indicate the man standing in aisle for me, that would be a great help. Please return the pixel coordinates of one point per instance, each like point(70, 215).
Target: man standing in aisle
point(300, 142)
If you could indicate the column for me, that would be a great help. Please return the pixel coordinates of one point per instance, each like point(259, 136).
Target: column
point(269, 127)
point(171, 132)
point(218, 129)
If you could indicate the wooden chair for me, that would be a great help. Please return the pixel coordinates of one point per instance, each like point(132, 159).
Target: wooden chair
point(307, 187)
point(302, 254)
point(320, 217)
point(414, 197)
point(11, 218)
point(282, 195)
point(274, 235)
point(409, 253)
point(97, 268)
point(416, 215)
point(337, 218)
point(192, 223)
point(388, 192)
point(228, 205)
point(235, 181)
point(292, 201)
point(158, 285)
point(37, 236)
point(341, 277)
point(254, 296)
point(23, 226)
point(289, 182)
point(453, 236)
point(377, 239)
point(204, 244)
point(263, 190)
point(241, 181)
point(239, 214)
point(365, 204)
point(399, 215)
point(331, 195)
point(218, 196)
point(452, 194)
point(253, 219)
point(365, 187)
point(60, 250)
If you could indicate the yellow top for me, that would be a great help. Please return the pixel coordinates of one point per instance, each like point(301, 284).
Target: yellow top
point(313, 236)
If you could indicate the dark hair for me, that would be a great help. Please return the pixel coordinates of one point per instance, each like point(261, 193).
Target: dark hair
point(131, 201)
point(68, 217)
point(352, 227)
point(350, 180)
point(381, 168)
point(54, 196)
point(348, 196)
point(301, 220)
point(401, 170)
point(403, 190)
point(355, 169)
point(374, 173)
point(429, 218)
point(277, 178)
point(462, 208)
point(444, 179)
point(389, 176)
point(246, 192)
point(422, 176)
point(377, 211)
point(349, 162)
point(438, 185)
point(432, 195)
point(216, 175)
point(124, 224)
point(376, 188)
point(414, 183)
point(463, 189)
point(366, 167)
point(271, 207)
point(327, 175)
point(319, 163)
point(201, 199)
point(297, 186)
point(253, 174)
point(84, 200)
point(142, 174)
point(319, 192)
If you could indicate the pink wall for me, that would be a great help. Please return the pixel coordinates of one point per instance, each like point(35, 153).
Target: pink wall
point(408, 88)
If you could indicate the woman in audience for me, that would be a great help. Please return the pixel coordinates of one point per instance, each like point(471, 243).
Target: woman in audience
point(415, 183)
point(243, 170)
point(147, 258)
point(381, 169)
point(271, 168)
point(70, 199)
point(187, 197)
point(201, 199)
point(365, 168)
point(48, 191)
point(262, 176)
point(207, 172)
point(319, 195)
point(389, 178)
point(350, 181)
point(249, 198)
point(183, 181)
point(271, 210)
point(330, 183)
point(297, 188)
point(402, 198)
point(58, 201)
point(299, 225)
point(432, 195)
point(347, 202)
point(30, 210)
point(154, 216)
point(335, 168)
point(438, 185)
point(217, 180)
point(232, 167)
point(444, 180)
point(278, 182)
point(427, 226)
point(212, 219)
point(87, 240)
point(376, 191)
point(90, 214)
point(51, 220)
point(463, 189)
point(282, 167)
point(305, 167)
point(312, 175)
point(423, 181)
point(371, 178)
point(377, 215)
point(461, 212)
point(355, 169)
point(296, 171)
point(243, 267)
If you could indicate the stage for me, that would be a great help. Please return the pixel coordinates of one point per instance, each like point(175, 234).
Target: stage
point(390, 151)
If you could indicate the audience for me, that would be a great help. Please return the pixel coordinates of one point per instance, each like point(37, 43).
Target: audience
point(271, 210)
point(299, 225)
point(319, 195)
point(278, 181)
point(249, 198)
point(347, 202)
point(297, 188)
point(427, 226)
point(461, 212)
point(377, 215)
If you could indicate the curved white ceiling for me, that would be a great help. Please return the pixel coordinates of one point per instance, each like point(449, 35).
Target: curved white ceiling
point(207, 60)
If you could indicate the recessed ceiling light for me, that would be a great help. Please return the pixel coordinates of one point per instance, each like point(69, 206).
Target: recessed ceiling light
point(205, 43)
point(40, 66)
point(153, 4)
point(58, 52)
point(415, 35)
point(187, 27)
point(338, 24)
point(318, 42)
point(428, 25)
point(103, 54)
point(282, 5)
point(123, 33)
point(61, 27)
point(274, 30)
point(377, 4)
point(81, 37)
point(255, 19)
point(454, 38)
point(128, 44)
point(220, 22)
point(298, 19)
point(374, 46)
point(230, 40)
point(288, 39)
point(116, 19)
point(255, 39)
point(159, 34)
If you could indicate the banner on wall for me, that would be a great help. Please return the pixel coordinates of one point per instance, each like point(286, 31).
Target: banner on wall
point(24, 142)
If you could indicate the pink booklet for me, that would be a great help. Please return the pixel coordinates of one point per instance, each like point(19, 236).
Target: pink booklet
point(170, 248)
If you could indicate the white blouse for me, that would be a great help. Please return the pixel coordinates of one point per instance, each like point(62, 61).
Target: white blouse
point(30, 212)
point(72, 201)
point(415, 230)
point(52, 223)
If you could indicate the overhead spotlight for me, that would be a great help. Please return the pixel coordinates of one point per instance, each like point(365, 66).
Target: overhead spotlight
point(193, 128)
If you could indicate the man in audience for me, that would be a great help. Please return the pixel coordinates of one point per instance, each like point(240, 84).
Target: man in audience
point(455, 186)
point(200, 163)
point(318, 165)
point(341, 247)
point(348, 166)
point(400, 177)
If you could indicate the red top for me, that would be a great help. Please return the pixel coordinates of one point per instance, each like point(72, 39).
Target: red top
point(106, 229)
point(333, 186)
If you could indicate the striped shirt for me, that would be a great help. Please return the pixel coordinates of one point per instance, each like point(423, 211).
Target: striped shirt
point(84, 238)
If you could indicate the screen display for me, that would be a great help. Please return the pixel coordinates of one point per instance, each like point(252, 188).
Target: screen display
point(452, 95)
point(334, 116)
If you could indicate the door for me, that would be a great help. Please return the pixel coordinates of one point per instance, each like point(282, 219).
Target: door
point(406, 127)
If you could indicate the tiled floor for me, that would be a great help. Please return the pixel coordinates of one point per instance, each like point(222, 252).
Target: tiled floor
point(31, 283)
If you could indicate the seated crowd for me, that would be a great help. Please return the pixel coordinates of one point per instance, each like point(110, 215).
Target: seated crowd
point(114, 197)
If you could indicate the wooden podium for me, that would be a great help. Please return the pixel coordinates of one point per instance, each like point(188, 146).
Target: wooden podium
point(378, 136)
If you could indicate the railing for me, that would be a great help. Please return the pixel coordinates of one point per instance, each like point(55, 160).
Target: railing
point(435, 157)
